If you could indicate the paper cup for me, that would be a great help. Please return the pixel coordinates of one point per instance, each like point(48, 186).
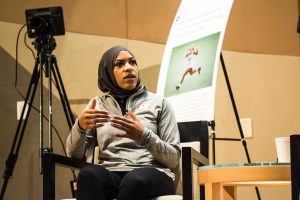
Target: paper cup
point(283, 149)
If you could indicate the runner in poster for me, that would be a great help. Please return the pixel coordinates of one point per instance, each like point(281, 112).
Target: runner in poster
point(191, 69)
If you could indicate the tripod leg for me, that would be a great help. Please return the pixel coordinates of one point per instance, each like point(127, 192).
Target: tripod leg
point(49, 68)
point(13, 155)
point(237, 116)
point(213, 137)
point(62, 94)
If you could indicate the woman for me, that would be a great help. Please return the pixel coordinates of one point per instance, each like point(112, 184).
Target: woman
point(136, 131)
point(191, 52)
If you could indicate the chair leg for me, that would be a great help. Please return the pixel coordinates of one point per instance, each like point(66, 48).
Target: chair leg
point(295, 166)
point(187, 174)
point(48, 177)
point(202, 192)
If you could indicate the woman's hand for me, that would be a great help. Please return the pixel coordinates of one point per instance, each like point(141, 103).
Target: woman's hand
point(92, 118)
point(133, 127)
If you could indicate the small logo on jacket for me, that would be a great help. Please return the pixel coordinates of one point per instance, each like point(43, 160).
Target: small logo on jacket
point(142, 106)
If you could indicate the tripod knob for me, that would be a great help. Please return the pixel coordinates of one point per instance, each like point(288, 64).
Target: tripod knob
point(47, 150)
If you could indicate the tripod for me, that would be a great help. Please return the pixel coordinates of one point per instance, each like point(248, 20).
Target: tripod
point(212, 125)
point(46, 62)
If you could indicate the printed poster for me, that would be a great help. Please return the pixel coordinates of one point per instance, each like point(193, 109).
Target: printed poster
point(190, 62)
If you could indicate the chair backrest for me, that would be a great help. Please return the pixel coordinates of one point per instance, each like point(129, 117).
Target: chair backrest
point(295, 166)
point(195, 131)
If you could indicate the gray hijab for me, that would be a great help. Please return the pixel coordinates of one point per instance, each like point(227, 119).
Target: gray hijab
point(106, 78)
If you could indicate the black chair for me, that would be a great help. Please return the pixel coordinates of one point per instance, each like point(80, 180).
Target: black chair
point(189, 132)
point(295, 166)
point(193, 131)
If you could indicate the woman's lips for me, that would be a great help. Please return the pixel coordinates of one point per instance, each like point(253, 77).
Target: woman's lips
point(130, 76)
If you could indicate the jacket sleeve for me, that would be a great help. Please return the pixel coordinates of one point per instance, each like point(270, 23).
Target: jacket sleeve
point(165, 145)
point(80, 143)
point(75, 146)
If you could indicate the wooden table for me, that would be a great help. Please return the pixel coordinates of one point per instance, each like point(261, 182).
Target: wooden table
point(225, 178)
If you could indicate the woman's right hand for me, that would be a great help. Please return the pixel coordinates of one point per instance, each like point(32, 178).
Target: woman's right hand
point(92, 118)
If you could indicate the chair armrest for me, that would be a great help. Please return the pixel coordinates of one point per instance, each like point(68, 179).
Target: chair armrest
point(190, 156)
point(49, 162)
point(68, 162)
point(197, 158)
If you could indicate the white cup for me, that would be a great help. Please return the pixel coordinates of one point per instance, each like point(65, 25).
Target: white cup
point(283, 149)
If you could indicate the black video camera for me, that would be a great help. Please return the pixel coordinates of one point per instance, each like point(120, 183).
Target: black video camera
point(45, 22)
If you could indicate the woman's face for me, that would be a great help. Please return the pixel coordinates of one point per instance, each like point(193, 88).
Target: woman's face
point(126, 70)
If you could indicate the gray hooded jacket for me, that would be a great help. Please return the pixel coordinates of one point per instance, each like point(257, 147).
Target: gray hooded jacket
point(159, 145)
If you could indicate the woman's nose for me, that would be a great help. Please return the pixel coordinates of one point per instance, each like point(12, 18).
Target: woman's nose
point(128, 66)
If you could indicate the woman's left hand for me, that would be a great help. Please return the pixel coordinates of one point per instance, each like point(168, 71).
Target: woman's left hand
point(132, 126)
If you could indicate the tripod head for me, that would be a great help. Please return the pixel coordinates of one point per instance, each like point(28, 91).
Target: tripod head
point(212, 124)
point(44, 44)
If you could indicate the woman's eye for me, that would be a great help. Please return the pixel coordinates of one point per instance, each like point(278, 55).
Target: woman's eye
point(133, 62)
point(122, 64)
point(119, 64)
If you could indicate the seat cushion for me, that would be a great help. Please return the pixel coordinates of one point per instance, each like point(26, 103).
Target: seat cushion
point(168, 197)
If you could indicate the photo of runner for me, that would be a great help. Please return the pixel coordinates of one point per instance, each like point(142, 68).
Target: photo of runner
point(190, 68)
point(191, 65)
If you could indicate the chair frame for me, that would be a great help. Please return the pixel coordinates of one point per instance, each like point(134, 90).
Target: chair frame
point(50, 160)
point(189, 131)
point(190, 157)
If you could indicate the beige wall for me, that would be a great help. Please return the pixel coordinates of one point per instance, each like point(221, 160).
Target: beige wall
point(265, 87)
point(78, 56)
point(265, 26)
